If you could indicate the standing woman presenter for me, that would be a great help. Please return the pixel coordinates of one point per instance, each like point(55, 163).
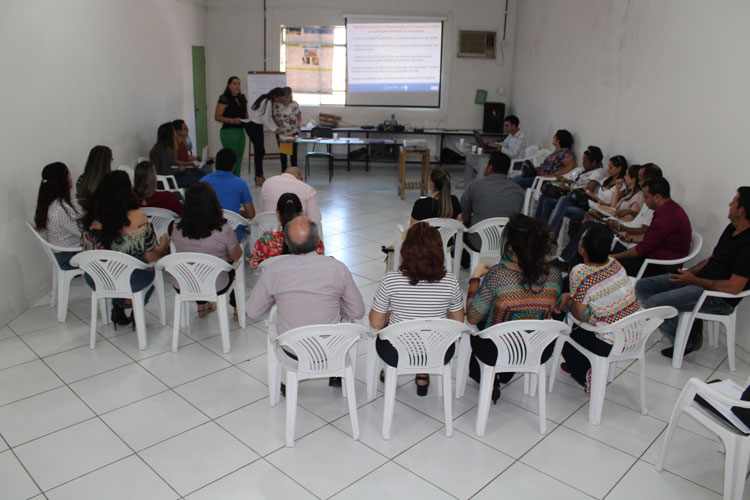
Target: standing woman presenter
point(261, 114)
point(230, 111)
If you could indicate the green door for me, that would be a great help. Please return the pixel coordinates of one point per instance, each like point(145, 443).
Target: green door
point(199, 98)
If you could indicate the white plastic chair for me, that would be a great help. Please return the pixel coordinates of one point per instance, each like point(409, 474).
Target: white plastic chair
point(160, 218)
point(322, 351)
point(450, 228)
point(532, 195)
point(204, 154)
point(234, 219)
point(60, 277)
point(529, 153)
point(168, 183)
point(272, 364)
point(262, 223)
point(696, 242)
point(736, 445)
point(685, 323)
point(490, 231)
point(631, 334)
point(196, 275)
point(421, 345)
point(520, 345)
point(111, 273)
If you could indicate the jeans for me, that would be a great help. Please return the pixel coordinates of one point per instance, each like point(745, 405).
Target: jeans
point(659, 291)
point(545, 207)
point(578, 364)
point(524, 182)
point(255, 133)
point(140, 279)
point(564, 208)
point(63, 260)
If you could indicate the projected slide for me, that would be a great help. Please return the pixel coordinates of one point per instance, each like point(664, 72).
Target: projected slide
point(394, 64)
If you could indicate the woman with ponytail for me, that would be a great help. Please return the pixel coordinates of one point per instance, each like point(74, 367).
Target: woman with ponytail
point(440, 203)
point(55, 215)
point(521, 286)
point(261, 114)
point(272, 243)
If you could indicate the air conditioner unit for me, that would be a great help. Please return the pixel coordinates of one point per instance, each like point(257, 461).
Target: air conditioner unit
point(476, 44)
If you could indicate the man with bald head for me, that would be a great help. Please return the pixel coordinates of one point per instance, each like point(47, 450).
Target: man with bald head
point(290, 181)
point(309, 289)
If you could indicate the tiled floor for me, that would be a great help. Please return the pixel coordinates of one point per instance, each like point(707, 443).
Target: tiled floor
point(117, 422)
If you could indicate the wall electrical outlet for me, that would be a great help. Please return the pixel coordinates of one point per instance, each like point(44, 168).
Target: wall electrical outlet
point(501, 90)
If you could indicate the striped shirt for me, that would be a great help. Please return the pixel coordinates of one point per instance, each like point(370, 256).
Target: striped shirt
point(607, 292)
point(423, 300)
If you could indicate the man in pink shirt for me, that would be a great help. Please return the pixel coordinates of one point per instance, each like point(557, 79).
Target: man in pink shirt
point(290, 181)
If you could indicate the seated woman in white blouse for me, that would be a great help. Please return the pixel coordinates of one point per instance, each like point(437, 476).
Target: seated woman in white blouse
point(55, 215)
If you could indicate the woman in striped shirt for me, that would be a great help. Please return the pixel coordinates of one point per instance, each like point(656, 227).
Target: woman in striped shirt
point(521, 286)
point(421, 288)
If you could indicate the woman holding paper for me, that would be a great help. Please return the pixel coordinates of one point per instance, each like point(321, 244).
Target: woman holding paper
point(261, 114)
point(230, 111)
point(288, 117)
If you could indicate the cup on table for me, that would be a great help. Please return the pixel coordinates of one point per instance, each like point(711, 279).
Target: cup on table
point(474, 149)
point(335, 136)
point(479, 151)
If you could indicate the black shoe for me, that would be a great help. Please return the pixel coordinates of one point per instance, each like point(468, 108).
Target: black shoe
point(119, 317)
point(422, 388)
point(695, 340)
point(496, 389)
point(282, 390)
point(334, 382)
point(382, 376)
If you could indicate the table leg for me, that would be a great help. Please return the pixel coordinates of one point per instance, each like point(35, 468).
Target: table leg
point(425, 171)
point(401, 172)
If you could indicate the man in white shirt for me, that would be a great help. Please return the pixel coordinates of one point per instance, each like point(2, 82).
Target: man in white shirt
point(514, 143)
point(290, 181)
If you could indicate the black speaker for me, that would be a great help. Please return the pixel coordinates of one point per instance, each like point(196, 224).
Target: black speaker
point(494, 117)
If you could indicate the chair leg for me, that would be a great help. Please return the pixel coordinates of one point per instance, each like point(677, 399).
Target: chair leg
point(559, 343)
point(63, 292)
point(239, 295)
point(55, 279)
point(139, 314)
point(525, 384)
point(485, 394)
point(176, 327)
point(447, 402)
point(729, 325)
point(223, 322)
point(351, 400)
point(598, 386)
point(739, 471)
point(372, 369)
point(103, 311)
point(330, 169)
point(680, 340)
point(291, 406)
point(94, 312)
point(307, 167)
point(462, 369)
point(642, 376)
point(389, 400)
point(159, 285)
point(273, 377)
point(541, 394)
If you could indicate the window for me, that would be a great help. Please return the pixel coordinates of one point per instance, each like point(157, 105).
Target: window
point(338, 96)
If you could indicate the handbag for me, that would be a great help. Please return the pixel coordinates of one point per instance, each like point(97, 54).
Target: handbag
point(527, 169)
point(552, 190)
point(580, 198)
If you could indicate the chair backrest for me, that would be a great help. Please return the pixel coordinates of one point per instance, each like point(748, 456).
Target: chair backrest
point(128, 170)
point(696, 242)
point(204, 154)
point(490, 231)
point(49, 248)
point(421, 343)
point(160, 218)
point(319, 348)
point(324, 132)
point(110, 270)
point(520, 343)
point(632, 332)
point(195, 273)
point(166, 183)
point(234, 219)
point(539, 156)
point(265, 221)
point(448, 228)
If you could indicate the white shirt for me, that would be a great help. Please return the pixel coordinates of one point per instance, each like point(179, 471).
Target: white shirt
point(583, 178)
point(62, 225)
point(513, 145)
point(277, 185)
point(263, 115)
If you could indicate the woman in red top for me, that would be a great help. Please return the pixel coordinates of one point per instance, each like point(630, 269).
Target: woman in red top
point(144, 188)
point(272, 244)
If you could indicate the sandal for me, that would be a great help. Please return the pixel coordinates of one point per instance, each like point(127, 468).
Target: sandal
point(422, 387)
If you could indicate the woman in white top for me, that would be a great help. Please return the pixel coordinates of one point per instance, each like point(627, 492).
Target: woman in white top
point(421, 288)
point(625, 200)
point(613, 184)
point(261, 114)
point(55, 214)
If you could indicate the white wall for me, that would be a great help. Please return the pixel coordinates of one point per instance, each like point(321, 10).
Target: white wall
point(664, 81)
point(235, 46)
point(78, 73)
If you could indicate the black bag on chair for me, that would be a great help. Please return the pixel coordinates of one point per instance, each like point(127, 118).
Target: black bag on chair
point(580, 199)
point(527, 169)
point(552, 190)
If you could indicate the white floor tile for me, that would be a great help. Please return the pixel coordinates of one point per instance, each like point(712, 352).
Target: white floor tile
point(83, 362)
point(372, 270)
point(256, 367)
point(327, 402)
point(188, 363)
point(42, 414)
point(510, 429)
point(246, 422)
point(692, 457)
point(643, 482)
point(223, 391)
point(459, 465)
point(392, 481)
point(194, 459)
point(6, 333)
point(39, 318)
point(521, 481)
point(348, 257)
point(14, 352)
point(57, 339)
point(117, 388)
point(159, 340)
point(432, 404)
point(257, 480)
point(562, 402)
point(246, 344)
point(25, 380)
point(660, 369)
point(72, 452)
point(579, 461)
point(17, 485)
point(153, 419)
point(408, 428)
point(314, 456)
point(123, 480)
point(208, 326)
point(622, 428)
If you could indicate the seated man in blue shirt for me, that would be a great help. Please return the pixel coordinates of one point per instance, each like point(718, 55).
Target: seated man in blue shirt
point(232, 191)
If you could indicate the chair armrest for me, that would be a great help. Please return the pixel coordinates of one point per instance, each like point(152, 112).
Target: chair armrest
point(724, 295)
point(705, 388)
